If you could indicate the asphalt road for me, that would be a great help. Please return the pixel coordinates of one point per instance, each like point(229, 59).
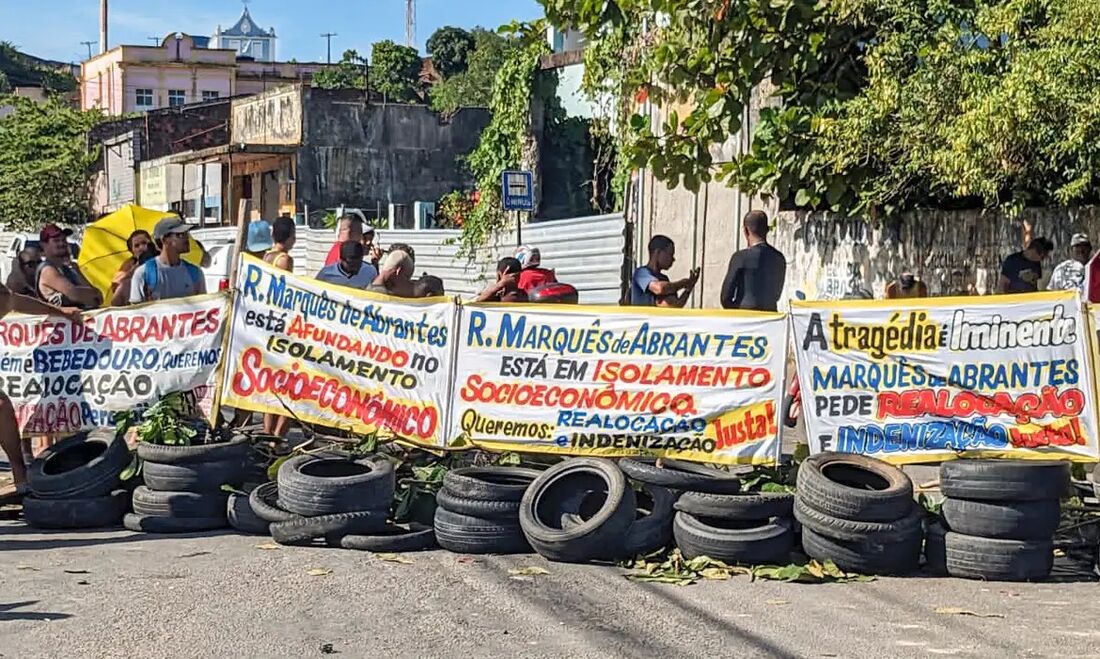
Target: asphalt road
point(119, 594)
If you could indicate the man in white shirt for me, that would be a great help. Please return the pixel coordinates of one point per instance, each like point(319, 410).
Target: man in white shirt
point(350, 270)
point(1069, 275)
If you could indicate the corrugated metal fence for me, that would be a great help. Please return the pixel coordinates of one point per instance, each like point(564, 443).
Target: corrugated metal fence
point(587, 252)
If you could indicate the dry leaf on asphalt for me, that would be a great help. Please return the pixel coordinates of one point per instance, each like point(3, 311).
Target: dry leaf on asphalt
point(951, 610)
point(393, 558)
point(777, 602)
point(267, 545)
point(528, 571)
point(26, 567)
point(318, 571)
point(195, 553)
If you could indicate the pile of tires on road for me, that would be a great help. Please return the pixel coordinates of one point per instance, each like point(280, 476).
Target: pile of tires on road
point(74, 484)
point(999, 519)
point(340, 501)
point(183, 489)
point(859, 513)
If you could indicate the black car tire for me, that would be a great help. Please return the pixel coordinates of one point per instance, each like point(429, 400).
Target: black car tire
point(264, 502)
point(652, 526)
point(158, 503)
point(393, 538)
point(870, 556)
point(241, 517)
point(88, 513)
point(762, 505)
point(604, 525)
point(477, 507)
point(304, 530)
point(313, 486)
point(147, 524)
point(192, 477)
point(734, 541)
point(1004, 480)
point(854, 531)
point(1006, 520)
point(854, 487)
point(465, 534)
point(83, 466)
point(235, 450)
point(489, 483)
point(995, 559)
point(681, 475)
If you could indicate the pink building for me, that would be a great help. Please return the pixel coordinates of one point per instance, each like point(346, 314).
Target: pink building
point(129, 79)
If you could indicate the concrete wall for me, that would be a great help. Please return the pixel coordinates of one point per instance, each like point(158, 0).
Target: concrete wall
point(705, 225)
point(362, 155)
point(822, 248)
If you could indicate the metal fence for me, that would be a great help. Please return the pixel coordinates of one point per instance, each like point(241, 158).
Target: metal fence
point(587, 252)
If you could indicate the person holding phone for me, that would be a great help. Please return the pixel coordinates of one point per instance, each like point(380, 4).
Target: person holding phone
point(650, 286)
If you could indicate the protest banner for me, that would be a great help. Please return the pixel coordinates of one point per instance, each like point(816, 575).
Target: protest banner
point(924, 380)
point(64, 377)
point(339, 357)
point(695, 385)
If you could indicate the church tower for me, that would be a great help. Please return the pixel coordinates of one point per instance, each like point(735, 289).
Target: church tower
point(247, 38)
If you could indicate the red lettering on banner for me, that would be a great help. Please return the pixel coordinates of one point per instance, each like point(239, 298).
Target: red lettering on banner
point(1066, 434)
point(750, 428)
point(945, 404)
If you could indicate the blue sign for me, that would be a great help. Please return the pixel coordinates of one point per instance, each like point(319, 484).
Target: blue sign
point(518, 191)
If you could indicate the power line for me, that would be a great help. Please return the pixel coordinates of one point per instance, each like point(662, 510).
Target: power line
point(327, 36)
point(155, 40)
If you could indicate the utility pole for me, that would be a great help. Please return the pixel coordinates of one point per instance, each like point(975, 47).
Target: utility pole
point(155, 40)
point(89, 44)
point(410, 23)
point(102, 26)
point(327, 36)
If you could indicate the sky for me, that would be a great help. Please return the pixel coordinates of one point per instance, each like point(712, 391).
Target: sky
point(53, 29)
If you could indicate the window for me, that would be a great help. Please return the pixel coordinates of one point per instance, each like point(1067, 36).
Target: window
point(176, 98)
point(143, 98)
point(209, 96)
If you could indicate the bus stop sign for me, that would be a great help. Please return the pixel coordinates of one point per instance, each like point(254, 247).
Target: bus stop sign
point(518, 191)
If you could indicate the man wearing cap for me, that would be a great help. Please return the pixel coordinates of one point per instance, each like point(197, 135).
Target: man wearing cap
point(59, 281)
point(532, 275)
point(168, 276)
point(1069, 275)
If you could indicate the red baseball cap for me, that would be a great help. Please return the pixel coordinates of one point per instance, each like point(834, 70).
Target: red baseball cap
point(51, 231)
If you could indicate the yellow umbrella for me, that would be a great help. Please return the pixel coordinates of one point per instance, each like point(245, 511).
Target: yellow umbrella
point(103, 247)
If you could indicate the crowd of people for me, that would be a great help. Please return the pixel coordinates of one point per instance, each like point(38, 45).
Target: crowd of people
point(45, 280)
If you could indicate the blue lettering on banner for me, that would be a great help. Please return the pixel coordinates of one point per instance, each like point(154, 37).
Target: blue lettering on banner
point(517, 333)
point(949, 435)
point(87, 359)
point(902, 374)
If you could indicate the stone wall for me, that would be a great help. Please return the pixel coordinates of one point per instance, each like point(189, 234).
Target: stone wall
point(822, 249)
point(362, 155)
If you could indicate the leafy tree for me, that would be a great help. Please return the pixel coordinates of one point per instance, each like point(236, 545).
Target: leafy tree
point(450, 48)
point(44, 163)
point(395, 71)
point(474, 86)
point(349, 73)
point(879, 105)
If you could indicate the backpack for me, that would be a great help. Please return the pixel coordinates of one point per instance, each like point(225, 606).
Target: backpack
point(150, 277)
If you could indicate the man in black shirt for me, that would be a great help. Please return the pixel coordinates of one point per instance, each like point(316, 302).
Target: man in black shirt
point(1021, 271)
point(756, 274)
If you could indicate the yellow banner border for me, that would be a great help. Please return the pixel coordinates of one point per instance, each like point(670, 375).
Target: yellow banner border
point(692, 456)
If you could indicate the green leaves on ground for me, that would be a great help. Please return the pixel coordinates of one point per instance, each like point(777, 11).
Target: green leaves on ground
point(673, 568)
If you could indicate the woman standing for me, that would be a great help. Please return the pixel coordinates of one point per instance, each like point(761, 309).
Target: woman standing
point(283, 235)
point(140, 246)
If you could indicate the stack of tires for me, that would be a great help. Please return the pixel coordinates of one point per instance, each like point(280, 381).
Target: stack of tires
point(75, 483)
point(183, 486)
point(712, 518)
point(327, 498)
point(586, 509)
point(999, 519)
point(859, 513)
point(477, 510)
